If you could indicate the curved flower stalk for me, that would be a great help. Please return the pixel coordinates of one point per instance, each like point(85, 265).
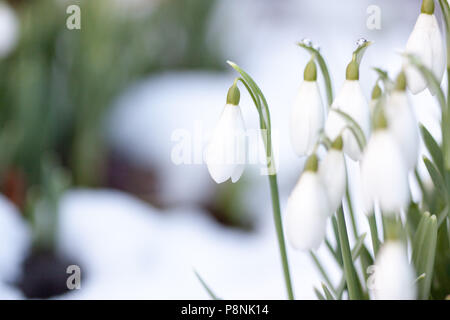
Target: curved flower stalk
point(394, 277)
point(426, 43)
point(307, 115)
point(384, 174)
point(333, 173)
point(402, 122)
point(350, 100)
point(307, 209)
point(226, 153)
point(265, 125)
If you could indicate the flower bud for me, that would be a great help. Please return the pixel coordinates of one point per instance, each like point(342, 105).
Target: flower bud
point(310, 73)
point(352, 71)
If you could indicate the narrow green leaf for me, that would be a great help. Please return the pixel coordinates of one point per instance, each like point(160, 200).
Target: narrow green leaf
point(318, 294)
point(424, 251)
point(327, 292)
point(321, 270)
point(433, 148)
point(353, 284)
point(210, 292)
point(438, 180)
point(374, 233)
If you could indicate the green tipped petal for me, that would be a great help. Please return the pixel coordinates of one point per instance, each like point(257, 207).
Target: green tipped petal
point(338, 144)
point(400, 82)
point(380, 121)
point(310, 73)
point(376, 92)
point(312, 163)
point(352, 72)
point(427, 6)
point(233, 95)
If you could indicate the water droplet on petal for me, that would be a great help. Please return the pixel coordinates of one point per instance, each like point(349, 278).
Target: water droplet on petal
point(360, 42)
point(307, 42)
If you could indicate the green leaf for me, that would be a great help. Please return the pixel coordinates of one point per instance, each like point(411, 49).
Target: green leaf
point(321, 269)
point(353, 283)
point(438, 180)
point(210, 292)
point(433, 148)
point(424, 250)
point(318, 294)
point(374, 233)
point(327, 292)
point(323, 68)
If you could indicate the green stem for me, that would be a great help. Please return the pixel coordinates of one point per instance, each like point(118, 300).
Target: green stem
point(265, 126)
point(279, 229)
point(353, 285)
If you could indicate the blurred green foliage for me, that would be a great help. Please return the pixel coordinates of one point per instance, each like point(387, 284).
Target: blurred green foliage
point(57, 84)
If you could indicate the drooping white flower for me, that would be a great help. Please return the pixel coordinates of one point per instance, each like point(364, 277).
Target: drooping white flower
point(226, 151)
point(384, 174)
point(307, 115)
point(9, 29)
point(402, 123)
point(334, 175)
point(350, 99)
point(394, 277)
point(307, 210)
point(426, 43)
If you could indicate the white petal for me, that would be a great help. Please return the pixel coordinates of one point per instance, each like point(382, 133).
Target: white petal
point(307, 118)
point(9, 29)
point(384, 174)
point(333, 174)
point(307, 212)
point(350, 100)
point(394, 276)
point(403, 126)
point(438, 51)
point(419, 44)
point(226, 149)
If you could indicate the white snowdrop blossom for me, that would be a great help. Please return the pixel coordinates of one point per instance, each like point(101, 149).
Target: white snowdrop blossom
point(307, 116)
point(384, 174)
point(394, 277)
point(426, 43)
point(9, 29)
point(350, 99)
point(333, 174)
point(226, 152)
point(307, 210)
point(403, 123)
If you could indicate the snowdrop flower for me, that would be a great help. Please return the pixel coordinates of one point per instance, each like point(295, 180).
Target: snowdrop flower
point(394, 276)
point(307, 209)
point(383, 172)
point(333, 174)
point(225, 154)
point(403, 123)
point(9, 29)
point(350, 99)
point(426, 43)
point(307, 115)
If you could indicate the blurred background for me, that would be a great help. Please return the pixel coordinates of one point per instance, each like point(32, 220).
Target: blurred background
point(91, 121)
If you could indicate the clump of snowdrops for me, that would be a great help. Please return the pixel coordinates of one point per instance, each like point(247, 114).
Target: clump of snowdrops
point(409, 252)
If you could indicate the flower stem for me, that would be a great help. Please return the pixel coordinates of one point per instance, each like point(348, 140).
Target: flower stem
point(374, 233)
point(279, 229)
